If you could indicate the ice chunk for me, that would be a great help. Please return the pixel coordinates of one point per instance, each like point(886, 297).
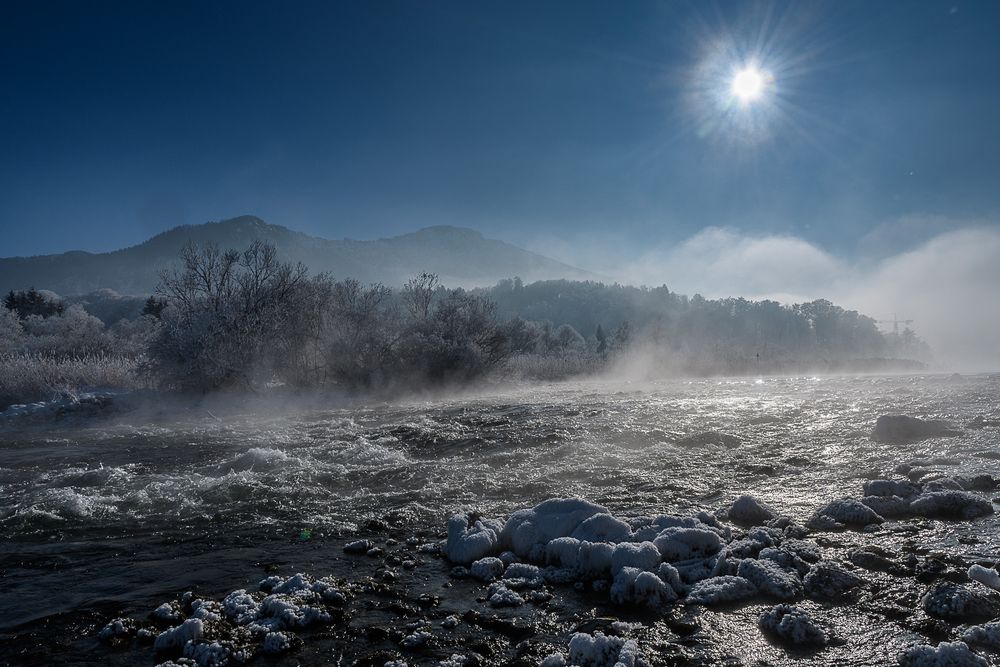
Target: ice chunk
point(679, 544)
point(951, 505)
point(634, 585)
point(175, 638)
point(768, 577)
point(828, 581)
point(792, 625)
point(602, 528)
point(986, 576)
point(643, 555)
point(716, 590)
point(954, 602)
point(947, 654)
point(748, 510)
point(529, 529)
point(469, 542)
point(487, 569)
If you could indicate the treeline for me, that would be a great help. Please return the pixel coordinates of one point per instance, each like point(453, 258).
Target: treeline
point(730, 335)
point(245, 319)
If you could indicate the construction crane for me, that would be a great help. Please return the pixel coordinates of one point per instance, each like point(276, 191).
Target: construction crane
point(895, 322)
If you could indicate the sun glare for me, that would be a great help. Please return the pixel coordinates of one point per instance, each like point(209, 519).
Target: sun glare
point(748, 85)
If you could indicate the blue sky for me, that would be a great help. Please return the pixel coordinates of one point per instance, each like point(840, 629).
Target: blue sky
point(542, 123)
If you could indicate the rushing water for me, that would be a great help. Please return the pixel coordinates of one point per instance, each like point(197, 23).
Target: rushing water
point(118, 515)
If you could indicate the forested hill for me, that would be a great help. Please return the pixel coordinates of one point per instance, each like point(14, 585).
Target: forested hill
point(730, 332)
point(461, 257)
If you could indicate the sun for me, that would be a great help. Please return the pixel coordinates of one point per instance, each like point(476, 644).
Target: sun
point(748, 85)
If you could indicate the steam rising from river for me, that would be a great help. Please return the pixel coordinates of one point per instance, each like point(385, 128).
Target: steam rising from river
point(947, 283)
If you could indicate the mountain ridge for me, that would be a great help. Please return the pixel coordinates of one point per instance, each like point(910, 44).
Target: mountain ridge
point(459, 255)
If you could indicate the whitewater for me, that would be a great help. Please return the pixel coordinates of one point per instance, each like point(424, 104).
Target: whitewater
point(111, 517)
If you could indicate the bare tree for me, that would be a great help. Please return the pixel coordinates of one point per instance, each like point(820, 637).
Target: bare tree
point(418, 293)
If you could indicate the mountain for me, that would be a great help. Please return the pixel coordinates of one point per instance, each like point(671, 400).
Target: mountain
point(461, 257)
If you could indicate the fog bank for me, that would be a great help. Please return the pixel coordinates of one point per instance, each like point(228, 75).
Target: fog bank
point(947, 283)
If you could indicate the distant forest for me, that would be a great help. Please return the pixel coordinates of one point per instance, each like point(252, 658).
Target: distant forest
point(244, 319)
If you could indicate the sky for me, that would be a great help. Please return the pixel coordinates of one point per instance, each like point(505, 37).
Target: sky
point(607, 135)
point(546, 124)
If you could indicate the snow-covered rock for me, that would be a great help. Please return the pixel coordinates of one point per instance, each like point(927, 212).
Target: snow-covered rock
point(415, 640)
point(175, 638)
point(844, 511)
point(528, 530)
point(632, 585)
point(987, 635)
point(788, 560)
point(986, 576)
point(499, 595)
point(696, 569)
point(887, 487)
point(792, 625)
point(946, 654)
point(595, 559)
point(564, 552)
point(770, 579)
point(470, 542)
point(828, 581)
point(642, 555)
point(487, 569)
point(718, 590)
point(681, 544)
point(750, 511)
point(209, 653)
point(951, 505)
point(602, 528)
point(600, 650)
point(888, 506)
point(954, 602)
point(275, 642)
point(118, 628)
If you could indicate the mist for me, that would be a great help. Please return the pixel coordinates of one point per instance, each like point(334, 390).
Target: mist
point(946, 282)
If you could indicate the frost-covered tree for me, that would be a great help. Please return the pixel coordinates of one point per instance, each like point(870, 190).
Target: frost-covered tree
point(11, 332)
point(233, 318)
point(73, 333)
